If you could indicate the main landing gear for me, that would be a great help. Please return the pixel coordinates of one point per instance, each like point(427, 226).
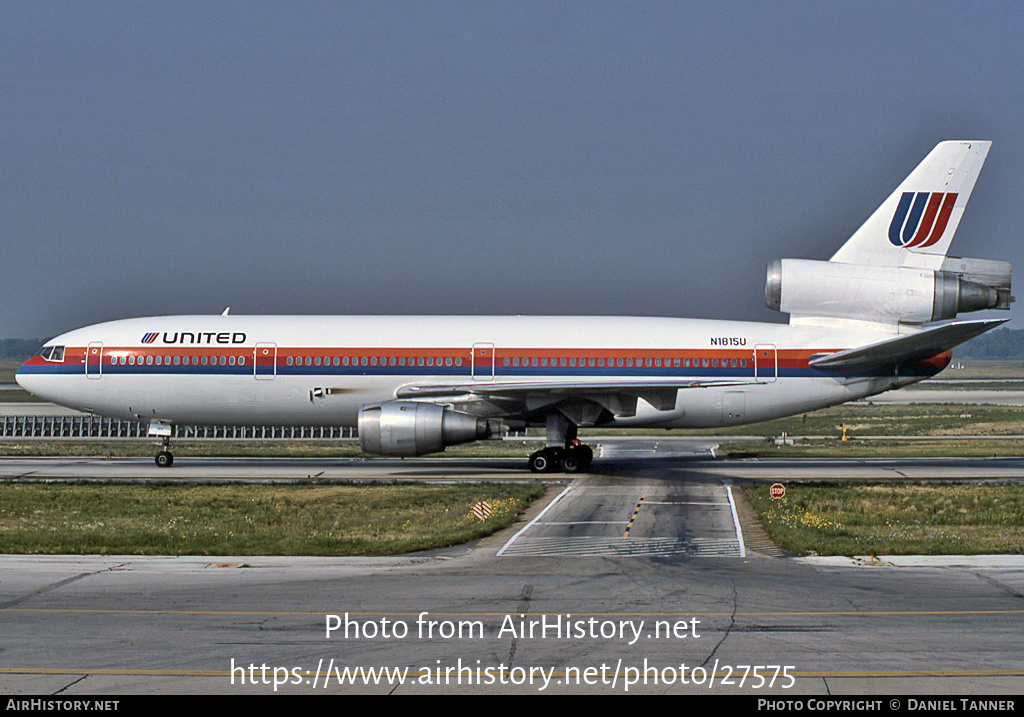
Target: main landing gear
point(573, 459)
point(563, 452)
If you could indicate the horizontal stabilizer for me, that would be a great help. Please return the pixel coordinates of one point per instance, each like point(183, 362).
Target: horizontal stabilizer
point(907, 348)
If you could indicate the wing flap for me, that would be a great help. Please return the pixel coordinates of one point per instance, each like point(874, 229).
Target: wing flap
point(618, 397)
point(561, 388)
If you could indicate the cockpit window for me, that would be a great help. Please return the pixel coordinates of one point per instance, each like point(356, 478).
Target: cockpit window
point(52, 353)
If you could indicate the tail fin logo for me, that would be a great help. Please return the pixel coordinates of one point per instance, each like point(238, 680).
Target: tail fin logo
point(921, 218)
point(149, 337)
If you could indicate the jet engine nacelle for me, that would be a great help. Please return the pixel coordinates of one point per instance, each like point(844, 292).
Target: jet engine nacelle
point(888, 294)
point(411, 428)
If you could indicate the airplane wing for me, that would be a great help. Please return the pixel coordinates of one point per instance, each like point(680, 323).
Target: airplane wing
point(589, 398)
point(907, 348)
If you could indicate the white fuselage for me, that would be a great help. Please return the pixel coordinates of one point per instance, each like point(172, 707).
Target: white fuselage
point(319, 370)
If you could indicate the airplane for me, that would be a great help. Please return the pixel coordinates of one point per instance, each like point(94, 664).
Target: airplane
point(879, 315)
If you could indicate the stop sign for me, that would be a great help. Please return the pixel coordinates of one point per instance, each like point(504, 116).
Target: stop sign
point(778, 490)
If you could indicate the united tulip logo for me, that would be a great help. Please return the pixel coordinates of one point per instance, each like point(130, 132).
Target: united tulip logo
point(921, 218)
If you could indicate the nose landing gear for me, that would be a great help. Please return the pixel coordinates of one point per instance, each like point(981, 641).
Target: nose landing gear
point(162, 430)
point(164, 459)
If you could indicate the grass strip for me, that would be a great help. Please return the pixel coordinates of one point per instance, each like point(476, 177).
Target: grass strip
point(167, 519)
point(893, 518)
point(882, 448)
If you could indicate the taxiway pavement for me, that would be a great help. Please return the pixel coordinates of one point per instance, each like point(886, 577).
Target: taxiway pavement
point(635, 577)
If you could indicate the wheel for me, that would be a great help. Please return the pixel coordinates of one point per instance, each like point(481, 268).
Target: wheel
point(540, 462)
point(546, 461)
point(571, 462)
point(164, 459)
point(577, 458)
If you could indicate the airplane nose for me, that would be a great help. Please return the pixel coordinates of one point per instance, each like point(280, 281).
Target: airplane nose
point(25, 379)
point(19, 375)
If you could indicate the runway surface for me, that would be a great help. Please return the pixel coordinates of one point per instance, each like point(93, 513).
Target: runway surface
point(638, 577)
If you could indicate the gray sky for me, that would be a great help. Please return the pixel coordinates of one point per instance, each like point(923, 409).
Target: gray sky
point(480, 157)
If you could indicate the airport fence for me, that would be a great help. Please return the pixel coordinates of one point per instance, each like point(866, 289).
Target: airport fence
point(57, 427)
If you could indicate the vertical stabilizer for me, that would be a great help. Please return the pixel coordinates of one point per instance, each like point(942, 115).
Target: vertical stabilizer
point(915, 225)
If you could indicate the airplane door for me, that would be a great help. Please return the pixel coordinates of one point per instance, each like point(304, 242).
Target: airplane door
point(94, 360)
point(734, 406)
point(483, 362)
point(766, 363)
point(265, 361)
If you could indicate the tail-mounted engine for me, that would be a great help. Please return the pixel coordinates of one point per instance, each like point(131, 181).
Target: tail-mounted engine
point(411, 428)
point(886, 294)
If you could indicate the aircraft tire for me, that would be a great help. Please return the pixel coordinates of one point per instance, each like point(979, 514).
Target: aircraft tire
point(164, 459)
point(571, 462)
point(577, 458)
point(544, 461)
